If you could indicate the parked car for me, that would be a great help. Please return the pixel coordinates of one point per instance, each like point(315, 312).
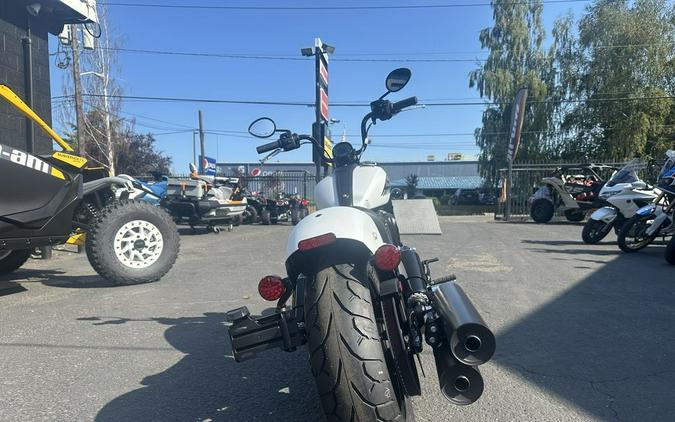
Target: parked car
point(465, 197)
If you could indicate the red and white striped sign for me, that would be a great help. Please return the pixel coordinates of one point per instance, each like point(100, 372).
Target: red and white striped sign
point(323, 72)
point(324, 104)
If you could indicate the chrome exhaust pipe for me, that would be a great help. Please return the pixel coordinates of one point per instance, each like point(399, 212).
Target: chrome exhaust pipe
point(460, 384)
point(471, 341)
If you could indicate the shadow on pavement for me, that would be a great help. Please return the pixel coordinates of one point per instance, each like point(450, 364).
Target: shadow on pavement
point(56, 278)
point(8, 288)
point(605, 345)
point(207, 384)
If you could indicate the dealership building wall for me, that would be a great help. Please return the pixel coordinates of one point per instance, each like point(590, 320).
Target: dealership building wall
point(395, 170)
point(14, 20)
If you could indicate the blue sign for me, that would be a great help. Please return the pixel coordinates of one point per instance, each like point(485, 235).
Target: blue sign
point(209, 165)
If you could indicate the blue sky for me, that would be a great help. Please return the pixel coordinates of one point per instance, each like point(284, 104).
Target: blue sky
point(382, 34)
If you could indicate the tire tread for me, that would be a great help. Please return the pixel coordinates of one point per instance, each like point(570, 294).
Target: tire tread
point(344, 341)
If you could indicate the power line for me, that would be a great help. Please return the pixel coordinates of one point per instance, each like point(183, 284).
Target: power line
point(311, 104)
point(320, 8)
point(282, 58)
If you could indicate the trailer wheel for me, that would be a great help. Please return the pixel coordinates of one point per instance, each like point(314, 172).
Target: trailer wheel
point(132, 242)
point(12, 260)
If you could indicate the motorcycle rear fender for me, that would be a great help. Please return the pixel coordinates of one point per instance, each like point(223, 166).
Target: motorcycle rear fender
point(605, 214)
point(357, 238)
point(343, 222)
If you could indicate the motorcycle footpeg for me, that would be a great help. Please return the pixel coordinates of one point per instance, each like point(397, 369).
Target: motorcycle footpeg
point(444, 279)
point(252, 335)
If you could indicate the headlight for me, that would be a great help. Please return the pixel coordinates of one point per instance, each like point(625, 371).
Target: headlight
point(606, 195)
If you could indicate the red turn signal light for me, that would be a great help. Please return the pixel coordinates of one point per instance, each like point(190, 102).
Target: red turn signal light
point(315, 242)
point(271, 287)
point(387, 257)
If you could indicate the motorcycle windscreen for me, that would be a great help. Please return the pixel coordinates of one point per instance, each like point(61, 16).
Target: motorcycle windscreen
point(416, 216)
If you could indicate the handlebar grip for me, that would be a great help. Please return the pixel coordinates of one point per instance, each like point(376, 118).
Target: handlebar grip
point(400, 105)
point(267, 147)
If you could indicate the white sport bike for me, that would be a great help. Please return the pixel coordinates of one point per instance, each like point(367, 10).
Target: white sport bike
point(362, 301)
point(625, 194)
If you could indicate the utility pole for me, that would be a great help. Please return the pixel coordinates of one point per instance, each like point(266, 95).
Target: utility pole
point(28, 66)
point(194, 147)
point(79, 109)
point(201, 143)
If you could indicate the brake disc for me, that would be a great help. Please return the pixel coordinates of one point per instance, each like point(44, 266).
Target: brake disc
point(406, 369)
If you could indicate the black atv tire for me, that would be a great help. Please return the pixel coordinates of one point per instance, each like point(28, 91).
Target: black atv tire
point(345, 350)
point(575, 215)
point(594, 231)
point(542, 211)
point(13, 260)
point(628, 231)
point(265, 217)
point(100, 244)
point(670, 251)
point(295, 216)
point(250, 215)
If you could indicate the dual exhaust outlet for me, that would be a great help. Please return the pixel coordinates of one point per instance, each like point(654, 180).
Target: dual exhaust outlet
point(468, 343)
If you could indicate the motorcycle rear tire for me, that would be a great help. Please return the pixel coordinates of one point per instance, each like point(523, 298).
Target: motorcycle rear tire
point(250, 215)
point(13, 260)
point(295, 216)
point(345, 351)
point(595, 230)
point(265, 217)
point(670, 251)
point(626, 229)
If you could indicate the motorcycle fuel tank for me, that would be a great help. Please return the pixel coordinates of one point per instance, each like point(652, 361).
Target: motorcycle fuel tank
point(369, 188)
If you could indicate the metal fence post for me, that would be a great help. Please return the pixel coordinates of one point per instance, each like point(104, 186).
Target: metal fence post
point(509, 180)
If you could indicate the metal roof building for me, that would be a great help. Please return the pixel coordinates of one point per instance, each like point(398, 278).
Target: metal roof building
point(395, 170)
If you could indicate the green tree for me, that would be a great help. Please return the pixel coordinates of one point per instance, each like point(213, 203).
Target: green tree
point(138, 155)
point(516, 58)
point(624, 50)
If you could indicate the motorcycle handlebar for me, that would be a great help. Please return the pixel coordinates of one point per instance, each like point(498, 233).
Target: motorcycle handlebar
point(267, 147)
point(400, 105)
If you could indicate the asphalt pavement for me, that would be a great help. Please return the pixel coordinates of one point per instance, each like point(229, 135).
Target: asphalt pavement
point(583, 332)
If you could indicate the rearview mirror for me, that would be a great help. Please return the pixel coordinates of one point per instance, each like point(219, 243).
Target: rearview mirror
point(397, 79)
point(639, 185)
point(263, 127)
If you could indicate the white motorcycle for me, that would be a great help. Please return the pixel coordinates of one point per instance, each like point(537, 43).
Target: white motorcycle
point(362, 301)
point(655, 219)
point(625, 193)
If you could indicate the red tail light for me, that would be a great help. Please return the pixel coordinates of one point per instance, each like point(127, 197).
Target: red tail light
point(387, 257)
point(315, 242)
point(271, 287)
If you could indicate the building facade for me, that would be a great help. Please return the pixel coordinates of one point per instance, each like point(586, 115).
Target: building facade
point(395, 170)
point(24, 61)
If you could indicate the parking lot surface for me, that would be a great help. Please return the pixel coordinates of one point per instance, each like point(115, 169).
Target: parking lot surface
point(583, 332)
